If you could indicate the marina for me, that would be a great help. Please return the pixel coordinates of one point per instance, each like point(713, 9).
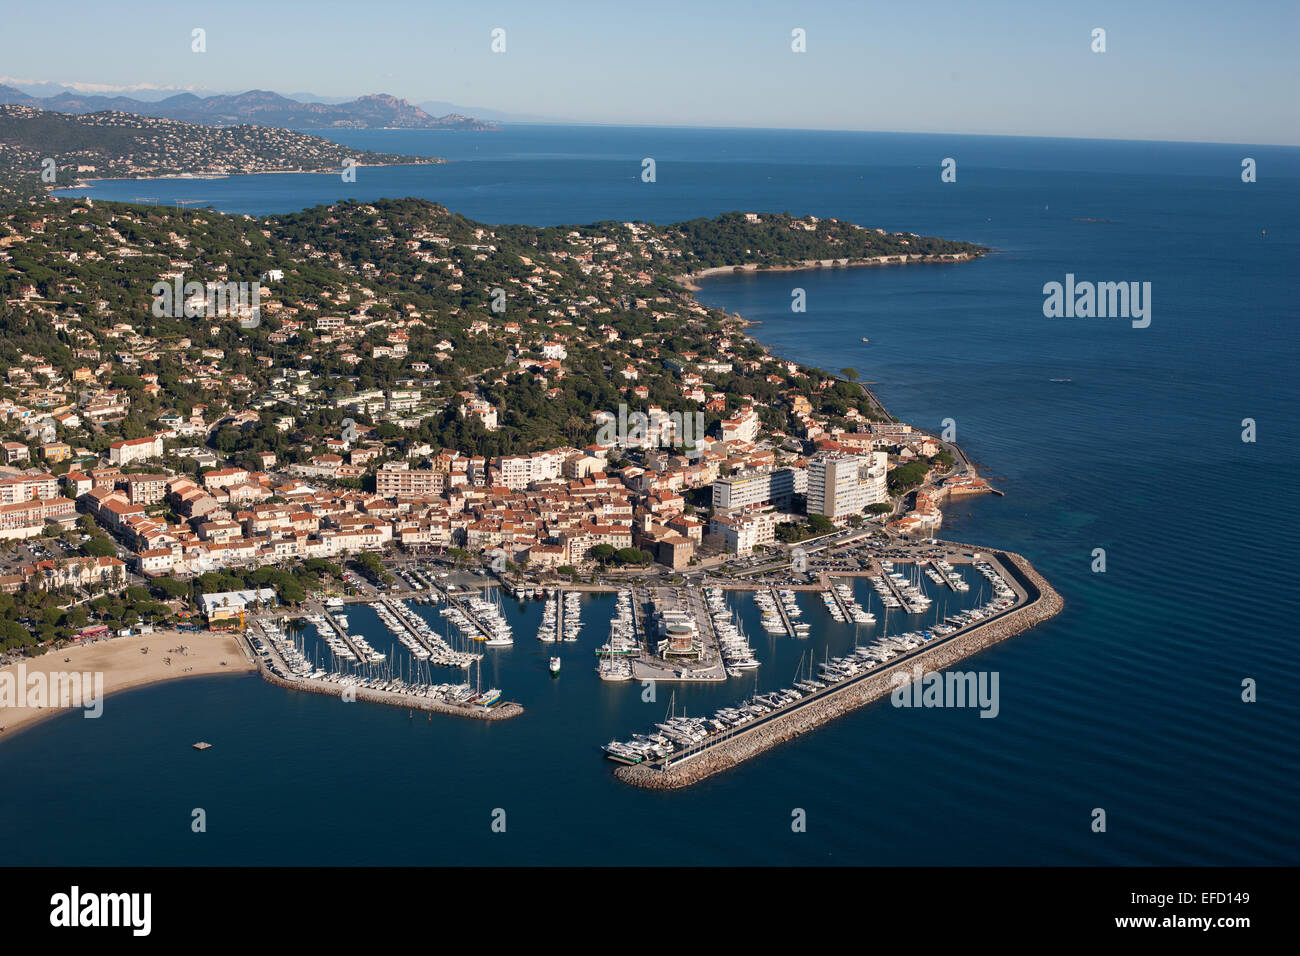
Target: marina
point(690, 634)
point(703, 747)
point(355, 670)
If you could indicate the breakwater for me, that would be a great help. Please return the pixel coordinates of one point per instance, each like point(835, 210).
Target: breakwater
point(1040, 603)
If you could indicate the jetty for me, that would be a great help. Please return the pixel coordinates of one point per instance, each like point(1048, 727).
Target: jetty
point(780, 609)
point(844, 608)
point(440, 652)
point(454, 601)
point(708, 667)
point(341, 631)
point(893, 589)
point(1037, 602)
point(943, 574)
point(502, 711)
point(638, 619)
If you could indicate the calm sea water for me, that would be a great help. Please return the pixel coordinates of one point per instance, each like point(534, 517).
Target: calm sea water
point(1129, 701)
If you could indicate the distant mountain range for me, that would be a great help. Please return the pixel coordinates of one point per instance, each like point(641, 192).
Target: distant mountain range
point(256, 107)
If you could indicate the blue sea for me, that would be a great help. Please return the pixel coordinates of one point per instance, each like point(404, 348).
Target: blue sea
point(1101, 435)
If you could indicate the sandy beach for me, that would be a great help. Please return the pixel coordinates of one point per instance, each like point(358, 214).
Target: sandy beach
point(125, 662)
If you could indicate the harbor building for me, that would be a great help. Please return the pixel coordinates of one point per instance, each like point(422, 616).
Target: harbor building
point(226, 608)
point(675, 627)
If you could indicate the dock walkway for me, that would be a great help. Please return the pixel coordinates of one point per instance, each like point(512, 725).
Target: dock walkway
point(454, 601)
point(934, 563)
point(638, 619)
point(780, 607)
point(343, 634)
point(844, 608)
point(895, 590)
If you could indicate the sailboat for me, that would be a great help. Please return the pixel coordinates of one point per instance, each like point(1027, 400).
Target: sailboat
point(488, 697)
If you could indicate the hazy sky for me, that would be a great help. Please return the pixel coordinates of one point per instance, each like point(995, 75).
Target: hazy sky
point(1173, 69)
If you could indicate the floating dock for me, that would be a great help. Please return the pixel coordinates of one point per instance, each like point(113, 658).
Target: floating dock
point(482, 628)
point(894, 590)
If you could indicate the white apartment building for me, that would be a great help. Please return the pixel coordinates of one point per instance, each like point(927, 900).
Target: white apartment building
point(743, 427)
point(27, 488)
point(840, 485)
point(754, 489)
point(519, 471)
point(137, 449)
point(743, 533)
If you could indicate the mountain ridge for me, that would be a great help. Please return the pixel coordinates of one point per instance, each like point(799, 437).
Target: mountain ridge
point(255, 107)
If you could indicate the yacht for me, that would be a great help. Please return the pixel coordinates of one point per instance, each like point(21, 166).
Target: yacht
point(553, 665)
point(614, 669)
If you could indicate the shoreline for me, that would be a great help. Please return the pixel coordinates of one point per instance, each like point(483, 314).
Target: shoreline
point(125, 668)
point(687, 280)
point(204, 177)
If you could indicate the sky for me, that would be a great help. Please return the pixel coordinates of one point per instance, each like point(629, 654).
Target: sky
point(1172, 69)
